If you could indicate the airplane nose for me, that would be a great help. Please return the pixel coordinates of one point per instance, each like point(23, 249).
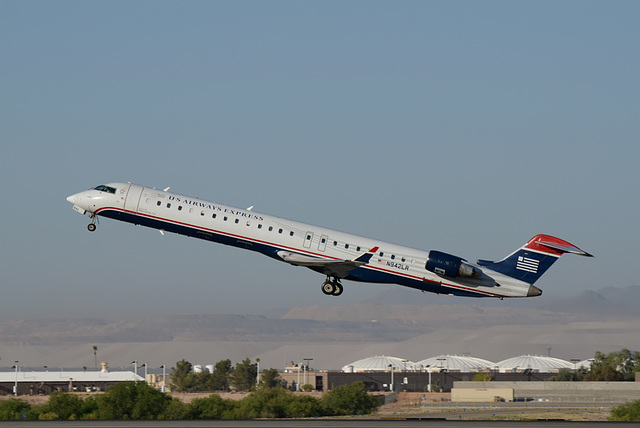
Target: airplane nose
point(73, 199)
point(533, 291)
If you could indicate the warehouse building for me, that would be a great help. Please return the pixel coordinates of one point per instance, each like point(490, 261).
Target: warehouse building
point(20, 382)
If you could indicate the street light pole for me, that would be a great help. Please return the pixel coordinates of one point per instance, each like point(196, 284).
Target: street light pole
point(15, 387)
point(164, 375)
point(307, 365)
point(391, 385)
point(429, 370)
point(145, 371)
point(257, 372)
point(135, 368)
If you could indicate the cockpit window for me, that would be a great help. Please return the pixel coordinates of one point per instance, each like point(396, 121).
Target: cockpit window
point(104, 188)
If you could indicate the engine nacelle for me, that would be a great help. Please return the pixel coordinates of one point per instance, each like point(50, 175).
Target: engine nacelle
point(448, 265)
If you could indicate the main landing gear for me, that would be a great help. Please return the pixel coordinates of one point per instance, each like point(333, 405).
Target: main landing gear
point(332, 287)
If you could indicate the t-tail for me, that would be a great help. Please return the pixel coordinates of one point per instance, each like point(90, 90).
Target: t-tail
point(533, 259)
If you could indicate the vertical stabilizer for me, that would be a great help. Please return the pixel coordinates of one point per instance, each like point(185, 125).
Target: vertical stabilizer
point(533, 259)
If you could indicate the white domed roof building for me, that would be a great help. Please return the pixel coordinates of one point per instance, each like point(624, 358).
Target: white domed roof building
point(454, 363)
point(535, 363)
point(379, 363)
point(584, 364)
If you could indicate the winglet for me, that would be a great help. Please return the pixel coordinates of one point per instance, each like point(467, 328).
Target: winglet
point(364, 258)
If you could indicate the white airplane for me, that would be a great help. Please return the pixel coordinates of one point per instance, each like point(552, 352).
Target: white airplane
point(337, 255)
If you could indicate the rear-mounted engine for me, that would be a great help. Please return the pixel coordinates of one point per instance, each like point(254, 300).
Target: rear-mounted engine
point(451, 266)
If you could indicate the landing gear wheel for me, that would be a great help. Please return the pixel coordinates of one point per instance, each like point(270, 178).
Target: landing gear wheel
point(338, 288)
point(328, 288)
point(91, 227)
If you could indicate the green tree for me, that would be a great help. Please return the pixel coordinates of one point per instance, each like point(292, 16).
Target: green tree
point(197, 382)
point(270, 379)
point(132, 400)
point(220, 379)
point(604, 368)
point(244, 378)
point(95, 356)
point(13, 409)
point(482, 377)
point(180, 374)
point(615, 366)
point(628, 412)
point(567, 375)
point(349, 400)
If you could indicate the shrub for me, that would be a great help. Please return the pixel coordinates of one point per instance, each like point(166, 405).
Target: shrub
point(64, 405)
point(212, 407)
point(13, 409)
point(349, 400)
point(132, 400)
point(628, 412)
point(49, 416)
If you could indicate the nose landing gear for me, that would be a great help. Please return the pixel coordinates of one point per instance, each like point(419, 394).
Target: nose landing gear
point(332, 287)
point(92, 226)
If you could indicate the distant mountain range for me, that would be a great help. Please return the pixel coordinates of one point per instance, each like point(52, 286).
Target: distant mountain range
point(389, 323)
point(385, 317)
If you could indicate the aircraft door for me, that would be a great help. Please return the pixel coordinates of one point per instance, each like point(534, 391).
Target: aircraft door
point(133, 198)
point(322, 245)
point(308, 238)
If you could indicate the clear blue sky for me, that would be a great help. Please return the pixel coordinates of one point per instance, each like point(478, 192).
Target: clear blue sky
point(462, 126)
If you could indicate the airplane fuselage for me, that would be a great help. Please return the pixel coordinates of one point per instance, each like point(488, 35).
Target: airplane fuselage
point(336, 254)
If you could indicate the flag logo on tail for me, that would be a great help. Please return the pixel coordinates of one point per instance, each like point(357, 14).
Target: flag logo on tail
point(527, 264)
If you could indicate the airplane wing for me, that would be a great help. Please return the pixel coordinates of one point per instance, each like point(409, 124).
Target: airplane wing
point(338, 268)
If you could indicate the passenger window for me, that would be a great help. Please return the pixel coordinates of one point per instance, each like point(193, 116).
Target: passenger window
point(168, 204)
point(358, 249)
point(270, 228)
point(381, 254)
point(259, 226)
point(225, 218)
point(346, 246)
point(180, 208)
point(159, 203)
point(279, 230)
point(291, 233)
point(393, 257)
point(213, 215)
point(308, 237)
point(201, 212)
point(237, 221)
point(324, 240)
point(335, 243)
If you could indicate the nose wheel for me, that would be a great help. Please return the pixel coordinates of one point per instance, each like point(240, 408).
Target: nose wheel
point(332, 287)
point(92, 226)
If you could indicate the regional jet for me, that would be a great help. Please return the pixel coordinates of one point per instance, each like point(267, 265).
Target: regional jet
point(337, 255)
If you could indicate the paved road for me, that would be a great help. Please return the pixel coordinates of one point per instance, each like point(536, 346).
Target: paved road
point(319, 423)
